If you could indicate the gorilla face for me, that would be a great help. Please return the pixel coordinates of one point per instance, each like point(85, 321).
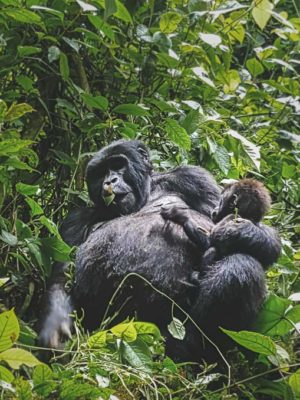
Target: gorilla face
point(118, 177)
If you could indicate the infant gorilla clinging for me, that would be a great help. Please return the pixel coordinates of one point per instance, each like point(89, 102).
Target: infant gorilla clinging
point(243, 202)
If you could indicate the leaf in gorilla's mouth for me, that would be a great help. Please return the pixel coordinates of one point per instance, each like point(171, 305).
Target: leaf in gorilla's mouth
point(109, 199)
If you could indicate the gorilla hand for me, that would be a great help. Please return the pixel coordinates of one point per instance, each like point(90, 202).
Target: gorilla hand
point(58, 324)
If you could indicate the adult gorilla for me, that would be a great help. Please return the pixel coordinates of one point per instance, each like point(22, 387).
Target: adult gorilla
point(126, 233)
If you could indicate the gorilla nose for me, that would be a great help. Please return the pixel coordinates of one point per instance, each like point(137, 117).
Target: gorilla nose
point(107, 188)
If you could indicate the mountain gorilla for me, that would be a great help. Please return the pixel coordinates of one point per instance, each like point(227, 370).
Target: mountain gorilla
point(124, 232)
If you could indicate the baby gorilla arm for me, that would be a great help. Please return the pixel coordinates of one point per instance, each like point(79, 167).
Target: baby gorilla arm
point(185, 218)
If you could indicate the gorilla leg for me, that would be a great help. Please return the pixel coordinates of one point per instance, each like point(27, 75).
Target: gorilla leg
point(229, 296)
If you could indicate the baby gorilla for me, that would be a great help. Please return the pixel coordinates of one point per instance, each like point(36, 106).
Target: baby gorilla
point(246, 199)
point(243, 202)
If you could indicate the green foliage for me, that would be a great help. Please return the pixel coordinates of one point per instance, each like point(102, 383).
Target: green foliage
point(211, 83)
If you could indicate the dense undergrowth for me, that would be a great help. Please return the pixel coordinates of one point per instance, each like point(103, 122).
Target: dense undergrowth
point(210, 83)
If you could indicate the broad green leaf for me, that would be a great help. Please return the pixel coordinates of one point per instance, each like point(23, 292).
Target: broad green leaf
point(25, 82)
point(147, 328)
point(3, 109)
point(177, 329)
point(177, 134)
point(191, 121)
point(22, 15)
point(222, 158)
point(262, 12)
point(17, 357)
point(254, 67)
point(294, 382)
point(110, 7)
point(64, 66)
point(271, 319)
point(103, 26)
point(211, 39)
point(52, 11)
point(98, 102)
point(28, 50)
point(97, 340)
point(13, 146)
point(236, 32)
point(9, 329)
point(169, 21)
point(56, 249)
point(203, 76)
point(17, 111)
point(35, 208)
point(125, 331)
point(253, 341)
point(137, 354)
point(6, 375)
point(42, 376)
point(130, 109)
point(73, 390)
point(122, 12)
point(250, 149)
point(27, 190)
point(8, 238)
point(23, 389)
point(232, 81)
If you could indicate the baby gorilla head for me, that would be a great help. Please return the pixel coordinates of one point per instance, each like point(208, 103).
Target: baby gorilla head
point(247, 197)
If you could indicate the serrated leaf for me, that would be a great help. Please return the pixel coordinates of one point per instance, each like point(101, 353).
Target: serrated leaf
point(169, 21)
point(177, 134)
point(17, 357)
point(42, 376)
point(130, 109)
point(177, 329)
point(254, 67)
point(211, 39)
point(9, 329)
point(253, 341)
point(250, 149)
point(222, 158)
point(191, 121)
point(64, 66)
point(262, 12)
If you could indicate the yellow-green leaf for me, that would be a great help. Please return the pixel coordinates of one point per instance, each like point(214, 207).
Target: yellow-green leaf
point(16, 357)
point(98, 340)
point(169, 21)
point(17, 110)
point(9, 329)
point(125, 331)
point(6, 375)
point(262, 12)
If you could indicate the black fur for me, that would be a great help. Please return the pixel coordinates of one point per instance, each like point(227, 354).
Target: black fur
point(143, 242)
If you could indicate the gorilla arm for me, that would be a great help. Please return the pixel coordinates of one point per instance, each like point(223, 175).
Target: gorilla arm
point(258, 240)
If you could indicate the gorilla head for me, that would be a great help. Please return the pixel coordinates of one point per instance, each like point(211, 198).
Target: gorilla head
point(119, 177)
point(249, 197)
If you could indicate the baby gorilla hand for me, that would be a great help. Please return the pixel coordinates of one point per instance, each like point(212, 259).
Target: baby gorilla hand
point(178, 215)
